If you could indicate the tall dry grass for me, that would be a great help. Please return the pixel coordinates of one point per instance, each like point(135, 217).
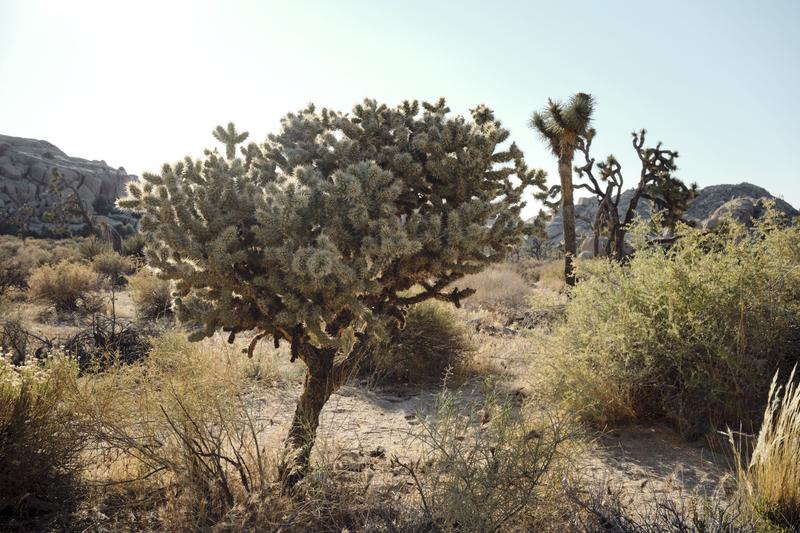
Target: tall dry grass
point(177, 429)
point(151, 295)
point(545, 274)
point(498, 287)
point(40, 441)
point(771, 479)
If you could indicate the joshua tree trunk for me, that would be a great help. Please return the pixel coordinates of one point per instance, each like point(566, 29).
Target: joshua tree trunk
point(323, 378)
point(318, 387)
point(567, 215)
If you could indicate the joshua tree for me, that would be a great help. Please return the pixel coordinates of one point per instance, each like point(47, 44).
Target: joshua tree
point(323, 235)
point(656, 184)
point(562, 126)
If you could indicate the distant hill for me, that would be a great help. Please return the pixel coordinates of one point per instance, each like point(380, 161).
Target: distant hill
point(27, 200)
point(701, 209)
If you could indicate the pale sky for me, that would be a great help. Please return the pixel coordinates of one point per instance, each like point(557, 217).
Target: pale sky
point(141, 83)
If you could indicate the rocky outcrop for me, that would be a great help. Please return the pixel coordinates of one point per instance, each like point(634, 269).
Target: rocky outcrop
point(743, 201)
point(742, 210)
point(28, 197)
point(713, 197)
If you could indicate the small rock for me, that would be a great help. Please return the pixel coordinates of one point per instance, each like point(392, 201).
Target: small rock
point(380, 451)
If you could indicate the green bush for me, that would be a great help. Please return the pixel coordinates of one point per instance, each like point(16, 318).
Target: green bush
point(151, 295)
point(692, 334)
point(432, 342)
point(66, 286)
point(39, 439)
point(489, 465)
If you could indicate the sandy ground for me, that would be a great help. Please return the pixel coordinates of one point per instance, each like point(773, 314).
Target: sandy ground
point(362, 429)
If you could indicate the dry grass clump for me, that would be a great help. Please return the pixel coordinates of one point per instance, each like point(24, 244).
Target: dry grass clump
point(18, 258)
point(151, 295)
point(546, 274)
point(490, 465)
point(433, 341)
point(133, 245)
point(178, 426)
point(67, 286)
point(91, 247)
point(603, 507)
point(498, 287)
point(180, 446)
point(771, 480)
point(40, 443)
point(113, 267)
point(692, 334)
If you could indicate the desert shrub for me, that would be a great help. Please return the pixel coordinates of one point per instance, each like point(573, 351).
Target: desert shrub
point(606, 508)
point(771, 480)
point(432, 342)
point(133, 245)
point(66, 286)
point(499, 287)
point(14, 338)
point(17, 259)
point(151, 295)
point(37, 252)
point(177, 423)
point(692, 334)
point(113, 267)
point(489, 465)
point(546, 274)
point(13, 275)
point(91, 247)
point(40, 442)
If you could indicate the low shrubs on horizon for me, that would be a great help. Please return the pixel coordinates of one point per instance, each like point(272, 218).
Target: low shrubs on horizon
point(19, 258)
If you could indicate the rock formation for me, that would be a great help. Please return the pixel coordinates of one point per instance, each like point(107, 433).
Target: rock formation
point(37, 180)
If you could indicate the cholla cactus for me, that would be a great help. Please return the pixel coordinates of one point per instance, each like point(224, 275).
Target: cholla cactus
point(320, 236)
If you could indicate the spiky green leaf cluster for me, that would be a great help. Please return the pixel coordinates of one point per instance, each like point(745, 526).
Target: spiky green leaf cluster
point(561, 125)
point(318, 234)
